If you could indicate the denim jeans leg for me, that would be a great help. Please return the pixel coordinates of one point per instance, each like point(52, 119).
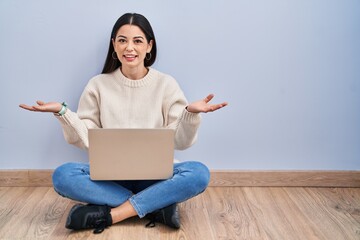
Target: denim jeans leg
point(72, 180)
point(189, 179)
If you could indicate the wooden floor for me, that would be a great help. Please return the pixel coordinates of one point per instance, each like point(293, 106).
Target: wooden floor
point(219, 213)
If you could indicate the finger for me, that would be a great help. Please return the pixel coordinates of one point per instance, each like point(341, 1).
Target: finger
point(224, 104)
point(215, 107)
point(27, 107)
point(39, 108)
point(40, 102)
point(221, 105)
point(208, 98)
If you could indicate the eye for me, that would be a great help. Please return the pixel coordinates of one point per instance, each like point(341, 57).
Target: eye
point(121, 40)
point(138, 41)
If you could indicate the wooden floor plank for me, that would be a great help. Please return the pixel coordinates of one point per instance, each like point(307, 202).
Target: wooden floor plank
point(229, 218)
point(274, 213)
point(37, 226)
point(326, 225)
point(18, 226)
point(195, 221)
point(249, 226)
point(345, 200)
point(3, 190)
point(60, 232)
point(317, 219)
point(218, 213)
point(11, 202)
point(289, 210)
point(337, 204)
point(53, 206)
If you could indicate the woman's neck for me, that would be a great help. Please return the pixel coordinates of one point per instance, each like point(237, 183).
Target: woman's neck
point(135, 73)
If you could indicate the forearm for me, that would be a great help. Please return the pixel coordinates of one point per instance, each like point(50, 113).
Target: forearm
point(186, 129)
point(74, 129)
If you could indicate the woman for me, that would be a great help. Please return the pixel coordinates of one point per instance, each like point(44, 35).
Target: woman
point(129, 94)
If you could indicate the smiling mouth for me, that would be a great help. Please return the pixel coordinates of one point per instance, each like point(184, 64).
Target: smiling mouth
point(129, 57)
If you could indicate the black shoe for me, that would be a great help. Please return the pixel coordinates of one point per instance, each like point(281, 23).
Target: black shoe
point(89, 216)
point(168, 216)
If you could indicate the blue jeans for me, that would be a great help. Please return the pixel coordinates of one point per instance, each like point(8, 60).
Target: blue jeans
point(72, 180)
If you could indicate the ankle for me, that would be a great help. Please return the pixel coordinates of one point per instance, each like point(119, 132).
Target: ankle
point(115, 218)
point(122, 212)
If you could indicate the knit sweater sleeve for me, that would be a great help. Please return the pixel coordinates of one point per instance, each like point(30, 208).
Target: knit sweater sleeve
point(185, 123)
point(75, 125)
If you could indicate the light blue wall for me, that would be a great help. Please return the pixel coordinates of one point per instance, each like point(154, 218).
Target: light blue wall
point(289, 69)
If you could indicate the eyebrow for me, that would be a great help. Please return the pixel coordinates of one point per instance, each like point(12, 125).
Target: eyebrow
point(126, 37)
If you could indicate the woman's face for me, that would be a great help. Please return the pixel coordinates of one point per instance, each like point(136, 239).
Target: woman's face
point(131, 46)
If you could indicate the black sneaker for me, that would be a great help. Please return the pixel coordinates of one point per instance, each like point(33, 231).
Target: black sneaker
point(89, 216)
point(168, 216)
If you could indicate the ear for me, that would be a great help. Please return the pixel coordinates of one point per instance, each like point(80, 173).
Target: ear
point(150, 44)
point(113, 43)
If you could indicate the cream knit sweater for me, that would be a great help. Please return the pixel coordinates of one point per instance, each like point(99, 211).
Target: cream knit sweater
point(114, 101)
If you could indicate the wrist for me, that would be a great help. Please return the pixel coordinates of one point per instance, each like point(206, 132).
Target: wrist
point(190, 110)
point(62, 110)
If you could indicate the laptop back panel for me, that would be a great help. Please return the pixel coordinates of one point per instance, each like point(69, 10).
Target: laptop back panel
point(131, 154)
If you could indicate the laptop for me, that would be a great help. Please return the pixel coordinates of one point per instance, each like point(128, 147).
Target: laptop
point(131, 154)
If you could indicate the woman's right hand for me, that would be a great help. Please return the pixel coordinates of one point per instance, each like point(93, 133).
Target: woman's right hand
point(41, 106)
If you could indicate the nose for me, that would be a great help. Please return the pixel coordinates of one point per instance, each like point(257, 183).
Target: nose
point(129, 47)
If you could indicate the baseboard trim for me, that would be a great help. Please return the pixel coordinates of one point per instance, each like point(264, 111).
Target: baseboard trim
point(219, 178)
point(26, 178)
point(286, 178)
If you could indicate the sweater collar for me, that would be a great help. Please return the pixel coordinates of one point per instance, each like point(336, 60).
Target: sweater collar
point(119, 76)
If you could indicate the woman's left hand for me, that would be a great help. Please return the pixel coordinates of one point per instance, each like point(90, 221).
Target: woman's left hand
point(204, 106)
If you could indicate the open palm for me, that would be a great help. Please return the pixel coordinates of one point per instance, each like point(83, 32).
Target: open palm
point(43, 107)
point(204, 106)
